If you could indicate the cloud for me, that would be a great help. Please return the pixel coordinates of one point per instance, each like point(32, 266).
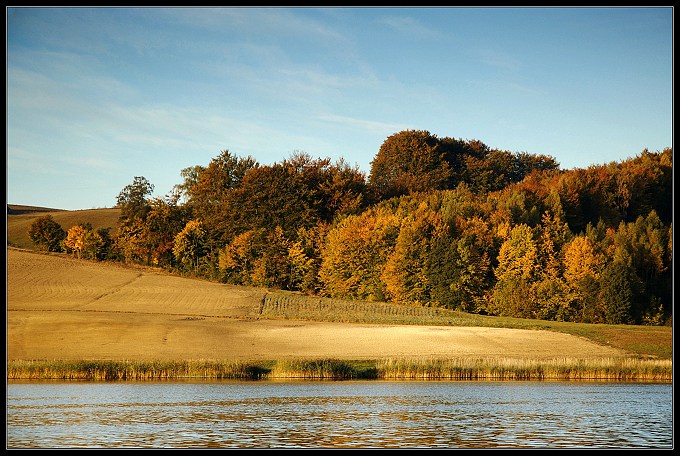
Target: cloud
point(362, 124)
point(500, 60)
point(411, 27)
point(268, 23)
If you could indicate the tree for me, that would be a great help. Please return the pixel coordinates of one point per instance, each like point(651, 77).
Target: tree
point(189, 245)
point(355, 253)
point(407, 162)
point(133, 241)
point(517, 270)
point(272, 268)
point(164, 220)
point(208, 190)
point(47, 233)
point(132, 200)
point(518, 256)
point(237, 259)
point(405, 272)
point(616, 293)
point(75, 240)
point(83, 241)
point(581, 261)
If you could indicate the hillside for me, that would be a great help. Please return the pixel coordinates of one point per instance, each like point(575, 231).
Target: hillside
point(20, 218)
point(17, 209)
point(62, 308)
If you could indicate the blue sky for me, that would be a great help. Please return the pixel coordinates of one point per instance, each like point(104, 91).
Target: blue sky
point(97, 96)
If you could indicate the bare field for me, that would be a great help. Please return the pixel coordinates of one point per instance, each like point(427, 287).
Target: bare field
point(60, 308)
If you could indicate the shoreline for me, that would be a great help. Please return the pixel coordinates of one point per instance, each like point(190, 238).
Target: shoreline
point(453, 369)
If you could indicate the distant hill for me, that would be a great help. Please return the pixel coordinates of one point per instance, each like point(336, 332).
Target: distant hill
point(20, 218)
point(16, 209)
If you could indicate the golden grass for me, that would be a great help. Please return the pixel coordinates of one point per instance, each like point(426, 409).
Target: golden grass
point(618, 369)
point(644, 341)
point(609, 369)
point(75, 319)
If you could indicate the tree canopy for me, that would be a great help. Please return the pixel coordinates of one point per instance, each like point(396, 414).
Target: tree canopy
point(438, 222)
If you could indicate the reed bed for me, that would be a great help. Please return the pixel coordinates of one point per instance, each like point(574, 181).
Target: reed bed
point(613, 369)
point(133, 370)
point(330, 369)
point(606, 369)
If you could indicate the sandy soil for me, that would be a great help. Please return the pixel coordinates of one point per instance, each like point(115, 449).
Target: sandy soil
point(60, 308)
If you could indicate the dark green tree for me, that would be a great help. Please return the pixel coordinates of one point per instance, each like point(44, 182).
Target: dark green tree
point(616, 293)
point(132, 200)
point(47, 233)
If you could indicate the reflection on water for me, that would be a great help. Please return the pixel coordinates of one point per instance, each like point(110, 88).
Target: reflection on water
point(381, 414)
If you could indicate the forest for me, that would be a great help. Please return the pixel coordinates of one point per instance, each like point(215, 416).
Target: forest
point(439, 222)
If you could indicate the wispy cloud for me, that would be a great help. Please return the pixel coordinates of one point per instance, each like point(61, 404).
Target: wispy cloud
point(261, 22)
point(500, 60)
point(362, 124)
point(411, 27)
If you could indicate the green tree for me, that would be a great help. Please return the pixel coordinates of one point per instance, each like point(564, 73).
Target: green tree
point(132, 200)
point(457, 270)
point(47, 233)
point(616, 293)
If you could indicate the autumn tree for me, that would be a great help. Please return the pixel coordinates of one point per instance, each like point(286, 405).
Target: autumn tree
point(517, 269)
point(405, 272)
point(583, 264)
point(272, 268)
point(407, 162)
point(133, 241)
point(304, 256)
point(209, 192)
point(354, 254)
point(47, 233)
point(75, 240)
point(237, 259)
point(164, 220)
point(189, 245)
point(85, 242)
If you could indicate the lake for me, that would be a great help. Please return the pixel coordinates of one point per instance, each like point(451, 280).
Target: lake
point(339, 414)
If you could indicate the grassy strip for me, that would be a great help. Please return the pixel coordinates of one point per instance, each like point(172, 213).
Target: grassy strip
point(644, 341)
point(132, 370)
point(611, 369)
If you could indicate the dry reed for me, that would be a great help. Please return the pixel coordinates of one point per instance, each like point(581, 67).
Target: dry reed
point(608, 369)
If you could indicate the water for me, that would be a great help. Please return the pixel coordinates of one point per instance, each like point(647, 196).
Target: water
point(331, 414)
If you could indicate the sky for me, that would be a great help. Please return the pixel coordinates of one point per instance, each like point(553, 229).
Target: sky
point(98, 96)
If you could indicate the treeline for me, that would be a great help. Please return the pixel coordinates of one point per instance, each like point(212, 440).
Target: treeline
point(437, 222)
